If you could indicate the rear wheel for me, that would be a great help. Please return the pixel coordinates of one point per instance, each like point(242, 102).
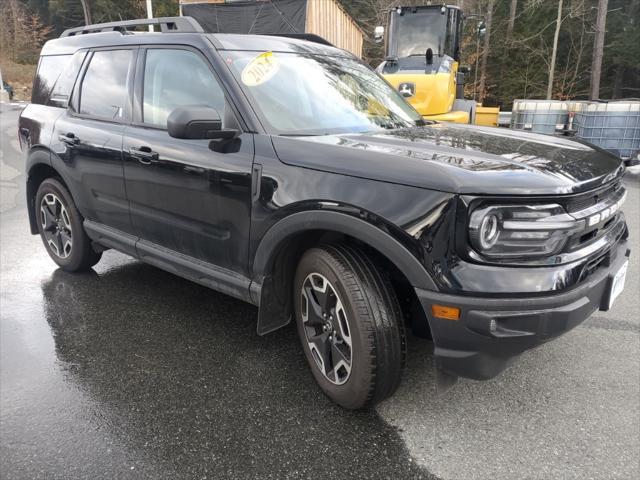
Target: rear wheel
point(350, 325)
point(61, 230)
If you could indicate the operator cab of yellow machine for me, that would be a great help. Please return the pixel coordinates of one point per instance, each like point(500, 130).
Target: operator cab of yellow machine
point(422, 48)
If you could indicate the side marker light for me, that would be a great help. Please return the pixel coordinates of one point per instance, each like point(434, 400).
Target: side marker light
point(445, 312)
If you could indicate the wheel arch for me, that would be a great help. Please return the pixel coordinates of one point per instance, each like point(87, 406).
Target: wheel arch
point(284, 243)
point(38, 169)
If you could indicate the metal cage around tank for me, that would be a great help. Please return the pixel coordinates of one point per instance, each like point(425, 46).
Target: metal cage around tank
point(613, 126)
point(539, 116)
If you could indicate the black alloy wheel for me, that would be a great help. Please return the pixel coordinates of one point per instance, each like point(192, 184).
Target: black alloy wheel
point(56, 226)
point(350, 325)
point(60, 226)
point(326, 328)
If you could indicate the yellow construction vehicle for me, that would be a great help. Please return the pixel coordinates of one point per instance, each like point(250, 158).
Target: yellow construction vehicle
point(422, 46)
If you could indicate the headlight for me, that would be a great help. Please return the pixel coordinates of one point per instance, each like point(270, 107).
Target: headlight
point(488, 234)
point(521, 231)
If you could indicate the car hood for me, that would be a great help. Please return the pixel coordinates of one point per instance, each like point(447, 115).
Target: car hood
point(463, 159)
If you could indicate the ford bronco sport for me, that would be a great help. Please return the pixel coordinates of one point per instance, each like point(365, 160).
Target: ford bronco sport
point(284, 172)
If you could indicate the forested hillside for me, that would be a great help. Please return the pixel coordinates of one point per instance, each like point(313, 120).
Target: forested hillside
point(520, 44)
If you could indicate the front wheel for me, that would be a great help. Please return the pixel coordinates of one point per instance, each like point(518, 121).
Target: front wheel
point(60, 226)
point(350, 325)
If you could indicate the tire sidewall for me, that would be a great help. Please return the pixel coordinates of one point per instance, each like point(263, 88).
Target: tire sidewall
point(355, 391)
point(77, 234)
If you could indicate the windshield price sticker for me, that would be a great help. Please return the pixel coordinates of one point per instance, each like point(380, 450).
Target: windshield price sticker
point(260, 69)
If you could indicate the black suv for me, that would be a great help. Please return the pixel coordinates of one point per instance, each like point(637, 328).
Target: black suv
point(286, 173)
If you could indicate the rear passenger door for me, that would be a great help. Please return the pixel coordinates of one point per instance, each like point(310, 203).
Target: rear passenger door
point(87, 138)
point(186, 196)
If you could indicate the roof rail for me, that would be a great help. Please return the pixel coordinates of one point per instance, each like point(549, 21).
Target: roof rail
point(167, 25)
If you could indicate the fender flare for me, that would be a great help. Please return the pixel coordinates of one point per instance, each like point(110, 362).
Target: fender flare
point(37, 155)
point(350, 225)
point(274, 313)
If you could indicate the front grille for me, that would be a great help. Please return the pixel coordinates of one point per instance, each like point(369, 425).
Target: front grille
point(589, 199)
point(584, 238)
point(607, 254)
point(592, 204)
point(593, 265)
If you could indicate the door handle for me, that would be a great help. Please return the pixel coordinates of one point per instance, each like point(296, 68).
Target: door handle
point(144, 155)
point(69, 139)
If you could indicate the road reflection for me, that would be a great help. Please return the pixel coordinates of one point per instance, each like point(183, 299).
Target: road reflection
point(176, 371)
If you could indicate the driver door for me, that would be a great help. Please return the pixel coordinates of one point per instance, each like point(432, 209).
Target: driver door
point(184, 197)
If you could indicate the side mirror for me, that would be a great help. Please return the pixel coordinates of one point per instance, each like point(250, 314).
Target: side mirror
point(465, 69)
point(378, 34)
point(194, 122)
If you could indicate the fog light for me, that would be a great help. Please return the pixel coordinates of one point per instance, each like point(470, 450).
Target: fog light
point(444, 312)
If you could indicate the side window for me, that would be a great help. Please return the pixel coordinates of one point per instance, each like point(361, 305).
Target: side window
point(60, 94)
point(49, 69)
point(104, 92)
point(174, 78)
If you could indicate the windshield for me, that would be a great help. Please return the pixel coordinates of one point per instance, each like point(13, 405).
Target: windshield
point(316, 95)
point(413, 32)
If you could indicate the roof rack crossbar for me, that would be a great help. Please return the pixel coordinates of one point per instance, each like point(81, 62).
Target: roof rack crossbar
point(167, 25)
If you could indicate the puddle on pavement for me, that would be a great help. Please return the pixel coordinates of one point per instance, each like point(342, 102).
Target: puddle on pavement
point(137, 372)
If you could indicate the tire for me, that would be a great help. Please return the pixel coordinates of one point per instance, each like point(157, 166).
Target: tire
point(363, 320)
point(61, 230)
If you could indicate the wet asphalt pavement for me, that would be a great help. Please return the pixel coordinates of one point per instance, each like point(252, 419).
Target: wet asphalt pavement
point(131, 372)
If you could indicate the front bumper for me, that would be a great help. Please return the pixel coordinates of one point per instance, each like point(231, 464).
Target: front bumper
point(468, 347)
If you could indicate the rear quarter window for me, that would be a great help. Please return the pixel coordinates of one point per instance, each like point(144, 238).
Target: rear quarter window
point(62, 90)
point(55, 79)
point(49, 69)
